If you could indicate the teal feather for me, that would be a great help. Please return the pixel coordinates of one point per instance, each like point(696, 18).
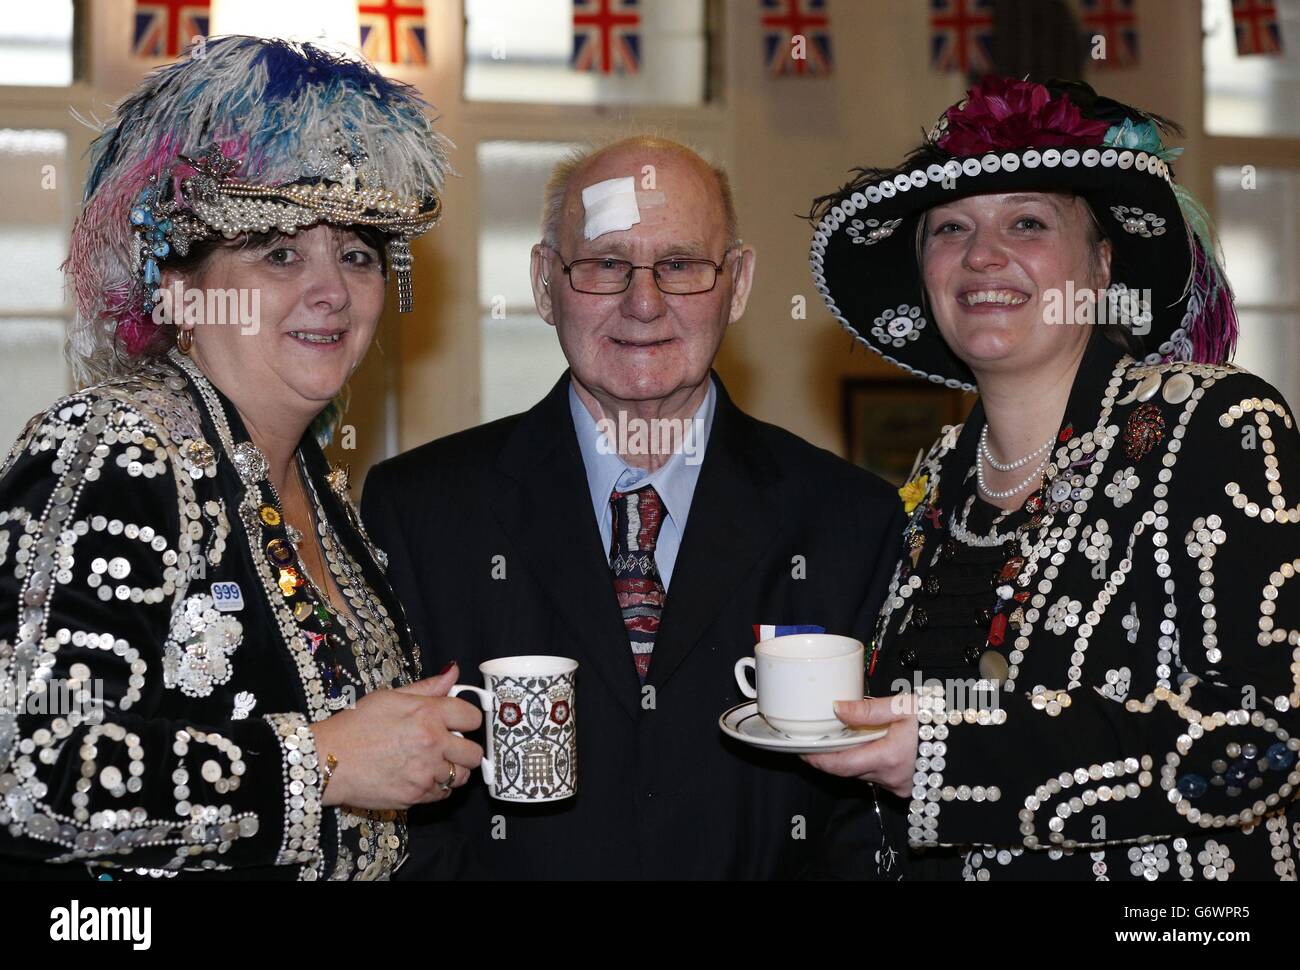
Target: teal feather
point(1198, 219)
point(1214, 326)
point(325, 424)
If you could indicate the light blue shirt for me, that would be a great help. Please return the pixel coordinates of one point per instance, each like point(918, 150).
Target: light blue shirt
point(675, 480)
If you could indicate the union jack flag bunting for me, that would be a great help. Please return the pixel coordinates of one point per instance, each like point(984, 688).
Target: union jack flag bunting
point(785, 20)
point(393, 31)
point(606, 36)
point(163, 28)
point(1116, 22)
point(1255, 24)
point(961, 35)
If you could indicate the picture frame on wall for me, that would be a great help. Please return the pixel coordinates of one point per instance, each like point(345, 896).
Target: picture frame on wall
point(887, 421)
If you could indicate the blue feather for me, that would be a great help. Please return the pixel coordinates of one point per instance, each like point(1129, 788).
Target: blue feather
point(289, 68)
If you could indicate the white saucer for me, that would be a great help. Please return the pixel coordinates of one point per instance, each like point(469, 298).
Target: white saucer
point(744, 723)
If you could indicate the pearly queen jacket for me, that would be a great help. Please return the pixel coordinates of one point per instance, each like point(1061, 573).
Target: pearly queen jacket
point(159, 647)
point(1147, 725)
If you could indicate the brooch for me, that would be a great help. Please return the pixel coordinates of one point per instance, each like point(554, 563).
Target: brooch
point(338, 480)
point(249, 462)
point(1144, 430)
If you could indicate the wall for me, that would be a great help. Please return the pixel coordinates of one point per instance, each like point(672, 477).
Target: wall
point(793, 141)
point(785, 141)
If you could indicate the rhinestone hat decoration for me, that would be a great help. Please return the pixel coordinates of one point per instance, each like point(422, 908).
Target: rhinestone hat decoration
point(220, 205)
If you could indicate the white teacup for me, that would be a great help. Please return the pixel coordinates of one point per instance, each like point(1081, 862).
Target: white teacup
point(799, 677)
point(529, 707)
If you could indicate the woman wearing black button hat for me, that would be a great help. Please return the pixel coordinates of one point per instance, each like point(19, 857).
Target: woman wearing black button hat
point(1089, 660)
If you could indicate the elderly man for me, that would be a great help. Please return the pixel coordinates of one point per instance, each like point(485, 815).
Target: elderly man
point(589, 528)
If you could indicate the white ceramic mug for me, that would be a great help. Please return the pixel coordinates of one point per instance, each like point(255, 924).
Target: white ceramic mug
point(528, 704)
point(798, 678)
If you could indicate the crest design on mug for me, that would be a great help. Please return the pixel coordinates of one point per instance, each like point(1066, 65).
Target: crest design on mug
point(561, 708)
point(509, 711)
point(533, 737)
point(539, 764)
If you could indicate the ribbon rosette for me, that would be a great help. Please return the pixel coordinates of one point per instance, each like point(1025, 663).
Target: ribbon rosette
point(1001, 113)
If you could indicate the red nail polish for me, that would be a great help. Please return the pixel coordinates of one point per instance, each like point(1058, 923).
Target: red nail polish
point(447, 668)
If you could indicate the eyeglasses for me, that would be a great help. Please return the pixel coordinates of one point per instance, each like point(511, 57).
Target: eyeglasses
point(676, 277)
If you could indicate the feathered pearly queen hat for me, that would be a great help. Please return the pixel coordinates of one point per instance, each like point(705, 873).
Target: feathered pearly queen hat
point(1010, 136)
point(243, 135)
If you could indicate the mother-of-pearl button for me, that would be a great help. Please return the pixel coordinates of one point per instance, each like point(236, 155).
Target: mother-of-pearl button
point(1178, 388)
point(993, 666)
point(1147, 389)
point(1131, 396)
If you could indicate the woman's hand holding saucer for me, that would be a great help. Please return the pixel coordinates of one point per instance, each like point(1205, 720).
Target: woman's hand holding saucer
point(888, 762)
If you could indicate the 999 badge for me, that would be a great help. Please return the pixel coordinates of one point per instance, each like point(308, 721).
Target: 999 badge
point(227, 597)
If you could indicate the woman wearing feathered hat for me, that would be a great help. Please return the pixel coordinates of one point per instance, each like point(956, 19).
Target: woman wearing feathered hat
point(177, 561)
point(1095, 598)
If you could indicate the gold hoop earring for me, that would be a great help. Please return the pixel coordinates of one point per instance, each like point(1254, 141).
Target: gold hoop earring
point(184, 340)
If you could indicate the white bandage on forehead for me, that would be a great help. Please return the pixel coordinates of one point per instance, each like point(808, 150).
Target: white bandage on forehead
point(611, 206)
point(615, 205)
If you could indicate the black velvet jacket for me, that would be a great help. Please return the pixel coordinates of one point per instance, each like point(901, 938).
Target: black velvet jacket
point(162, 651)
point(1147, 617)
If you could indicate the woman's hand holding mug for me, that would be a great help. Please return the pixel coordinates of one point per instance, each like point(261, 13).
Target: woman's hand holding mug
point(398, 748)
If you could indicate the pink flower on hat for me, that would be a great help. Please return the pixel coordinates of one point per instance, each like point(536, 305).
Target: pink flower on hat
point(1001, 113)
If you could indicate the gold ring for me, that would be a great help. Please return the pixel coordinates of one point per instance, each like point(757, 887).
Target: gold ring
point(451, 780)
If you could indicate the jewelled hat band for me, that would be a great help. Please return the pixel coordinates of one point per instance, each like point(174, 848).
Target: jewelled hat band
point(235, 207)
point(210, 204)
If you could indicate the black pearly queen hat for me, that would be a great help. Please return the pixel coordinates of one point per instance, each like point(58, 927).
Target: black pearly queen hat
point(1012, 136)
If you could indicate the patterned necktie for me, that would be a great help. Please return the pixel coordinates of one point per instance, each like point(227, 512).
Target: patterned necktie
point(637, 518)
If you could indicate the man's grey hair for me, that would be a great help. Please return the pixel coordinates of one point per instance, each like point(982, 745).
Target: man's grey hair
point(557, 186)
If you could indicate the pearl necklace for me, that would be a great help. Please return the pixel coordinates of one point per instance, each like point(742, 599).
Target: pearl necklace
point(1007, 493)
point(962, 533)
point(1019, 462)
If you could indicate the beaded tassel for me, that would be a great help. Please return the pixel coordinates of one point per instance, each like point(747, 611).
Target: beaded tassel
point(399, 258)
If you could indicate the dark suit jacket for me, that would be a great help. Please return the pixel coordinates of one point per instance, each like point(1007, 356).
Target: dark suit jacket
point(662, 793)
